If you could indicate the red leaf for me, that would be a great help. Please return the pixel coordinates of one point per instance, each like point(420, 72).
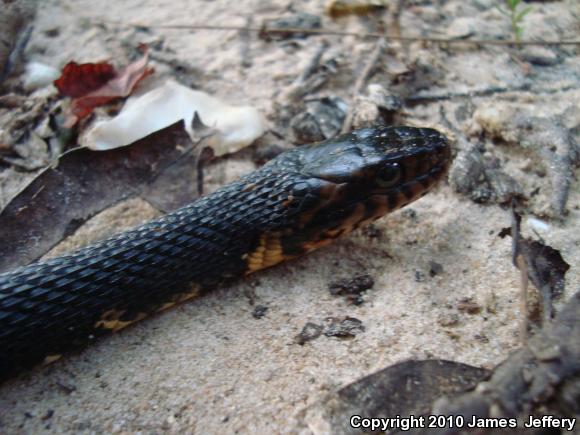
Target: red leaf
point(120, 85)
point(77, 80)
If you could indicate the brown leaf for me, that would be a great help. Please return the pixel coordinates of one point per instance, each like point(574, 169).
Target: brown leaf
point(77, 80)
point(159, 168)
point(403, 389)
point(546, 267)
point(120, 85)
point(542, 265)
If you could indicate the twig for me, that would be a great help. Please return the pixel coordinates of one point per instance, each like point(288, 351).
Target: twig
point(361, 80)
point(559, 163)
point(394, 27)
point(435, 40)
point(519, 261)
point(395, 10)
point(493, 90)
point(314, 62)
point(246, 61)
point(204, 156)
point(307, 81)
point(521, 264)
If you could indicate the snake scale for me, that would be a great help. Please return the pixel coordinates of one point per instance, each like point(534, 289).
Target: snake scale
point(299, 201)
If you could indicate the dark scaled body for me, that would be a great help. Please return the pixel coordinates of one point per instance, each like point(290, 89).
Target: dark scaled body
point(299, 201)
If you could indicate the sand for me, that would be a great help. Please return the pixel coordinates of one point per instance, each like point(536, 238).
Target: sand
point(209, 366)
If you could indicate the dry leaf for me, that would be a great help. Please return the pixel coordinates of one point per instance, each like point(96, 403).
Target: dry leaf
point(85, 182)
point(235, 126)
point(95, 84)
point(77, 80)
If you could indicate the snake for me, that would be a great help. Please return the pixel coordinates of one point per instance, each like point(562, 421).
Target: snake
point(299, 201)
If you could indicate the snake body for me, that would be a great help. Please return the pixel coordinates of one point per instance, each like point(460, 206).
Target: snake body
point(301, 200)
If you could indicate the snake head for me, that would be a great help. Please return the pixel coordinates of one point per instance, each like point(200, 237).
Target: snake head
point(360, 176)
point(380, 158)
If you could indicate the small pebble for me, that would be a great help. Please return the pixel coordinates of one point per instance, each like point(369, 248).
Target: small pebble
point(540, 56)
point(435, 268)
point(259, 311)
point(347, 327)
point(461, 28)
point(322, 119)
point(538, 224)
point(310, 331)
point(352, 287)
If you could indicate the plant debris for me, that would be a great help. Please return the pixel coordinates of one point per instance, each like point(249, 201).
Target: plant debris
point(310, 331)
point(541, 264)
point(481, 178)
point(342, 8)
point(315, 75)
point(352, 288)
point(321, 120)
point(377, 107)
point(403, 389)
point(274, 29)
point(235, 127)
point(539, 379)
point(423, 65)
point(549, 137)
point(94, 84)
point(469, 306)
point(85, 182)
point(77, 80)
point(367, 71)
point(345, 328)
point(16, 23)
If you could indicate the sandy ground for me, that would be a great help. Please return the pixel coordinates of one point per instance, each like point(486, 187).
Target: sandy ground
point(209, 366)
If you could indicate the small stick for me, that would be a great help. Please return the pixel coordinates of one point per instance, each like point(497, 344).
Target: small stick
point(314, 62)
point(306, 82)
point(519, 261)
point(381, 35)
point(490, 91)
point(246, 60)
point(521, 264)
point(362, 79)
point(395, 12)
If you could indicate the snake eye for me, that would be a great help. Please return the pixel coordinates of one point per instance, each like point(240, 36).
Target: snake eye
point(389, 175)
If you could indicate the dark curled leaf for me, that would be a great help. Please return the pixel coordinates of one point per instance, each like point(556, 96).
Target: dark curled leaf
point(403, 389)
point(85, 182)
point(546, 267)
point(542, 264)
